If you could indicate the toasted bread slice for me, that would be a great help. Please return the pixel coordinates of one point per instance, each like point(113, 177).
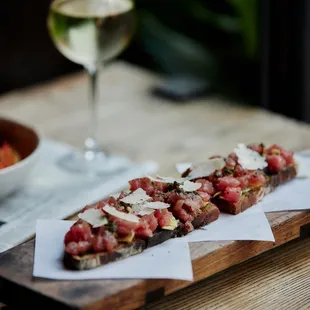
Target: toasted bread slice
point(90, 261)
point(254, 196)
point(208, 214)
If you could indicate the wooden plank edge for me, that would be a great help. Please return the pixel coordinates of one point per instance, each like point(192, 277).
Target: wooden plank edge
point(150, 290)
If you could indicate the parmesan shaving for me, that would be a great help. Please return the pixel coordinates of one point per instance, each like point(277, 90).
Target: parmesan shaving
point(189, 186)
point(206, 168)
point(94, 217)
point(135, 197)
point(249, 159)
point(147, 208)
point(146, 211)
point(167, 179)
point(182, 167)
point(124, 216)
point(140, 209)
point(157, 205)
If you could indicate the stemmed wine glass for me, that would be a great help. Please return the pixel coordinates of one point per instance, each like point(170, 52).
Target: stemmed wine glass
point(89, 33)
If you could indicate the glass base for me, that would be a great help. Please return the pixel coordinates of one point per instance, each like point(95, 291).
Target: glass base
point(94, 163)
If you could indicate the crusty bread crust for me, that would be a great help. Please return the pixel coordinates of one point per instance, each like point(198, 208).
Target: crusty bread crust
point(253, 197)
point(247, 200)
point(282, 177)
point(209, 214)
point(91, 261)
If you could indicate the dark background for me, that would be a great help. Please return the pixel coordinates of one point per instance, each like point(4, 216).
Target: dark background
point(255, 51)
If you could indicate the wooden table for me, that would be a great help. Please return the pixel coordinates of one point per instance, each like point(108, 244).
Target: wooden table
point(144, 127)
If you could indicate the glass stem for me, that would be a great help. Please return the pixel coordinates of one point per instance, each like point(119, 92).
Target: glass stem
point(91, 143)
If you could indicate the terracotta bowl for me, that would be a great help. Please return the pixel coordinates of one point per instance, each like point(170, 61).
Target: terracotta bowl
point(26, 142)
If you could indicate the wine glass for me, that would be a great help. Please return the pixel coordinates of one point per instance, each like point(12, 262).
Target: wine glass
point(89, 33)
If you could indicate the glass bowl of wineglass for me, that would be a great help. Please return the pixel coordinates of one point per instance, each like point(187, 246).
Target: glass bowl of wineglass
point(91, 33)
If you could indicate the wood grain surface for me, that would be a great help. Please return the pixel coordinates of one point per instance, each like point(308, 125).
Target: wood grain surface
point(133, 122)
point(278, 279)
point(208, 258)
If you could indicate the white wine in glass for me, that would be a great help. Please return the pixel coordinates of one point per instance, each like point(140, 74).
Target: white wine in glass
point(90, 33)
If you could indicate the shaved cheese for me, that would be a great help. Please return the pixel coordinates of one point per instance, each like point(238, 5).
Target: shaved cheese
point(167, 179)
point(124, 216)
point(182, 167)
point(94, 217)
point(146, 211)
point(115, 195)
point(157, 205)
point(249, 159)
point(189, 186)
point(141, 209)
point(206, 168)
point(147, 208)
point(135, 197)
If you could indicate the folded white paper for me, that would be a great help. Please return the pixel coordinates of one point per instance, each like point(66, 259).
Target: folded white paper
point(182, 167)
point(294, 195)
point(288, 197)
point(251, 224)
point(54, 193)
point(169, 260)
point(303, 160)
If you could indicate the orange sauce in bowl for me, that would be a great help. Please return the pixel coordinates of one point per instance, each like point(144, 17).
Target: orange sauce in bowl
point(8, 156)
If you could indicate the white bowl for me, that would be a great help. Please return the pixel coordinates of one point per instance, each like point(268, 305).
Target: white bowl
point(26, 142)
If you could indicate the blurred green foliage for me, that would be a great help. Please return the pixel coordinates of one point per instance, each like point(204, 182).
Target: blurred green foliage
point(216, 39)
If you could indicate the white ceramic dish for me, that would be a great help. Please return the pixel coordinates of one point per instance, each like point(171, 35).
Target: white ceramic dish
point(27, 143)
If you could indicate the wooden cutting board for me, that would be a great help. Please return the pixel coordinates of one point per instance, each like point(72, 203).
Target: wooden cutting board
point(17, 286)
point(151, 128)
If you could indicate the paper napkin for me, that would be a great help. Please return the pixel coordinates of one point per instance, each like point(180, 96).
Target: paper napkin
point(293, 195)
point(251, 224)
point(169, 260)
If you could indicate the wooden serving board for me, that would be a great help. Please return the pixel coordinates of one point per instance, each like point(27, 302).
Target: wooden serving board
point(187, 132)
point(18, 287)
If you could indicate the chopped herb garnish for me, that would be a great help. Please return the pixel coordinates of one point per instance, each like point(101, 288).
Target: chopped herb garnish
point(228, 171)
point(112, 227)
point(246, 190)
point(218, 173)
point(170, 187)
point(217, 194)
point(262, 145)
